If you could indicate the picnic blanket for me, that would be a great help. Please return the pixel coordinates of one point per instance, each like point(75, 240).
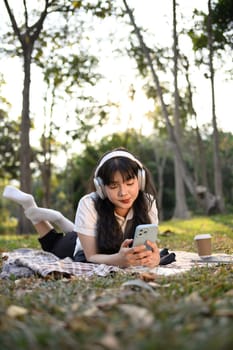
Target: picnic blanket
point(25, 262)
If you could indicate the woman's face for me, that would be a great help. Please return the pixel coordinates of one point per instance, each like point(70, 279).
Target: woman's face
point(122, 193)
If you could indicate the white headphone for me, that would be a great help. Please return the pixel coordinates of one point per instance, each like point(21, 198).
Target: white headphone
point(98, 182)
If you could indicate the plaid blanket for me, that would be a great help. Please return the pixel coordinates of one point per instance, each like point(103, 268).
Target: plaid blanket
point(28, 262)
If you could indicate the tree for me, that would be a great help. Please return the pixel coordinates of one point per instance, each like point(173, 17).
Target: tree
point(28, 36)
point(201, 168)
point(186, 176)
point(222, 21)
point(211, 33)
point(181, 209)
point(216, 154)
point(226, 149)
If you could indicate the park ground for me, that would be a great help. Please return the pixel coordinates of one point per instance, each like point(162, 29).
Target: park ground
point(191, 311)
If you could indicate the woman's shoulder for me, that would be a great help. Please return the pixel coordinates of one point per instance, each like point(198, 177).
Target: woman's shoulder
point(88, 198)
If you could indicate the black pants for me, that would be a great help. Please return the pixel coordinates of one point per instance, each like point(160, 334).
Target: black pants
point(61, 245)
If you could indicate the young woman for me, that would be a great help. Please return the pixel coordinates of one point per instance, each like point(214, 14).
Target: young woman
point(122, 196)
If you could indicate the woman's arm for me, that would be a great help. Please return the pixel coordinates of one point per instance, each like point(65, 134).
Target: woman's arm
point(90, 250)
point(137, 256)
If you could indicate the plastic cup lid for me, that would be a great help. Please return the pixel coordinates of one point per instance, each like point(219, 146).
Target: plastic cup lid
point(202, 236)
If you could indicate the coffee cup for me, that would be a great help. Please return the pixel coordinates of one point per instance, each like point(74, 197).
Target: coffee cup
point(203, 243)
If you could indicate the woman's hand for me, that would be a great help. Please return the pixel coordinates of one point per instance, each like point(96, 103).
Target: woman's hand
point(153, 259)
point(139, 256)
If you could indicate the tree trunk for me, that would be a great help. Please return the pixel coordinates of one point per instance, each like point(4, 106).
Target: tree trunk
point(181, 208)
point(25, 149)
point(160, 164)
point(216, 156)
point(201, 169)
point(45, 167)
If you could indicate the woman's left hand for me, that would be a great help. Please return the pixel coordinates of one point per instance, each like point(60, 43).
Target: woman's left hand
point(144, 257)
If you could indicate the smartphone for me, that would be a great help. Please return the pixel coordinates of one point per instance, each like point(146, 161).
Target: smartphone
point(143, 233)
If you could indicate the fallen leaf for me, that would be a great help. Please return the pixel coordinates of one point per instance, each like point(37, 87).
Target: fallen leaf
point(15, 311)
point(148, 276)
point(166, 233)
point(109, 341)
point(224, 312)
point(229, 293)
point(139, 316)
point(78, 325)
point(194, 298)
point(139, 284)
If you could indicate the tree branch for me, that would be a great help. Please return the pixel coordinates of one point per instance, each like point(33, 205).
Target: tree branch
point(13, 21)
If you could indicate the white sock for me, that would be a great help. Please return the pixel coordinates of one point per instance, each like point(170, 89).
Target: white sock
point(22, 198)
point(36, 215)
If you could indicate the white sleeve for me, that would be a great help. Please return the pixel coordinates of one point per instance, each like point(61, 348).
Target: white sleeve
point(153, 214)
point(86, 216)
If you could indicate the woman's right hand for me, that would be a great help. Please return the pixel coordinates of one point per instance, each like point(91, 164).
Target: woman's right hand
point(131, 256)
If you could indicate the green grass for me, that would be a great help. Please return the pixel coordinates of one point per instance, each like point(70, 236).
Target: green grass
point(179, 235)
point(192, 311)
point(10, 242)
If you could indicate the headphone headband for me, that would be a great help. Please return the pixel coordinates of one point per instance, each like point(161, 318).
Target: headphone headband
point(117, 154)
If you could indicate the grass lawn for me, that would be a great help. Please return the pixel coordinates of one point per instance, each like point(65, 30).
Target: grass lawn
point(189, 311)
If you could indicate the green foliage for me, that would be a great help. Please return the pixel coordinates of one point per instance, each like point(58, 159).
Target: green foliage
point(223, 20)
point(60, 12)
point(8, 223)
point(226, 151)
point(152, 150)
point(222, 26)
point(9, 146)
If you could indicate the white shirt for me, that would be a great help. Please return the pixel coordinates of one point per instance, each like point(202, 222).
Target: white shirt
point(86, 218)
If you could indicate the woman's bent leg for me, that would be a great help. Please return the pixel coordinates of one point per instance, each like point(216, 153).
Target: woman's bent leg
point(36, 215)
point(60, 245)
point(43, 228)
point(17, 196)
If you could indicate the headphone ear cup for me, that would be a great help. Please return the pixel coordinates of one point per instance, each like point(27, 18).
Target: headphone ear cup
point(99, 186)
point(142, 179)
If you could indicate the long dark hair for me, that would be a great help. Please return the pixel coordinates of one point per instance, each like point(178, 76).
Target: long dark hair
point(109, 233)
